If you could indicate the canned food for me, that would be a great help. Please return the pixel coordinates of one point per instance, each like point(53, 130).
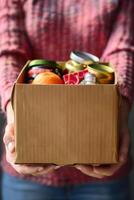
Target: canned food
point(73, 66)
point(83, 57)
point(41, 62)
point(74, 78)
point(39, 66)
point(103, 72)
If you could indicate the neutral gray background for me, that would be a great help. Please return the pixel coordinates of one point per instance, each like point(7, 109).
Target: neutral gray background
point(131, 125)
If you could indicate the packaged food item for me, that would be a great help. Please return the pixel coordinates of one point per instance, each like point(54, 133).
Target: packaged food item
point(73, 71)
point(74, 78)
point(103, 72)
point(83, 57)
point(44, 63)
point(36, 67)
point(46, 78)
point(73, 66)
point(89, 79)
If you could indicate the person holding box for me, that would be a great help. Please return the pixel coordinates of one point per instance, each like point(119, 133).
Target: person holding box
point(32, 29)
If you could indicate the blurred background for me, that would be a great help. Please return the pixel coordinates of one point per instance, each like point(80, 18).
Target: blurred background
point(2, 124)
point(131, 125)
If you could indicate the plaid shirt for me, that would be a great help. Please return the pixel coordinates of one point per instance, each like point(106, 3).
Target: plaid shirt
point(51, 29)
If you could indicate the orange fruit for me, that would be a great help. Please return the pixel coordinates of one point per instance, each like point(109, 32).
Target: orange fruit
point(47, 78)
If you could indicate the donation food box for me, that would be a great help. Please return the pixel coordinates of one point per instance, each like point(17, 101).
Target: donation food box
point(65, 124)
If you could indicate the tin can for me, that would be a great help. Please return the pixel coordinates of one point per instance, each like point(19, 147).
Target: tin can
point(103, 72)
point(83, 57)
point(73, 66)
point(39, 66)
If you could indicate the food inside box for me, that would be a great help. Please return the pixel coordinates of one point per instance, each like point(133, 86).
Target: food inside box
point(82, 69)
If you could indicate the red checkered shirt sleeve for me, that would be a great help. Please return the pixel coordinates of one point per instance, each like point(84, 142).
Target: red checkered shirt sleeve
point(120, 49)
point(14, 46)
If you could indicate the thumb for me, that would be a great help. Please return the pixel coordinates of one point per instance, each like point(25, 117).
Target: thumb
point(9, 130)
point(11, 147)
point(9, 143)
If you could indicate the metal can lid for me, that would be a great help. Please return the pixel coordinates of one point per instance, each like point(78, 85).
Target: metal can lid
point(43, 62)
point(81, 56)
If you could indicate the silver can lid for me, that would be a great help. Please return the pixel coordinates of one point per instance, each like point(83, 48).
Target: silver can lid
point(81, 57)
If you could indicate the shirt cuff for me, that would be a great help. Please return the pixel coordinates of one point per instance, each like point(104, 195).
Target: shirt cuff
point(5, 98)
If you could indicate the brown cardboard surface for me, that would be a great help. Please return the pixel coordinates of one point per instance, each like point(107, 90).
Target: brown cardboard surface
point(65, 124)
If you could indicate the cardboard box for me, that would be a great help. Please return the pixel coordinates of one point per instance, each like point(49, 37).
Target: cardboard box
point(65, 124)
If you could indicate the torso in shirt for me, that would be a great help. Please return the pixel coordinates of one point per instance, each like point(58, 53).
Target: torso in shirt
point(56, 27)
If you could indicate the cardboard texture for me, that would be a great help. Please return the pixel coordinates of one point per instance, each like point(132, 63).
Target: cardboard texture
point(66, 124)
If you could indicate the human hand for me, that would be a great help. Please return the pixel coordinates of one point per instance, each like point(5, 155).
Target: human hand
point(108, 170)
point(9, 142)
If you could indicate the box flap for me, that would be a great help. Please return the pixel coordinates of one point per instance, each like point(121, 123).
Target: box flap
point(20, 79)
